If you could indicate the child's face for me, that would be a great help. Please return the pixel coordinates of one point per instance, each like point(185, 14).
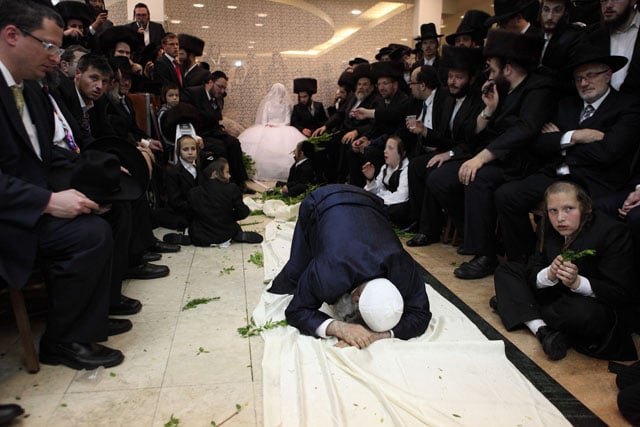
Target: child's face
point(188, 150)
point(391, 155)
point(173, 97)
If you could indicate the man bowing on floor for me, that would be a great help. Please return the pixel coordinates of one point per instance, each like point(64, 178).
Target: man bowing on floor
point(343, 244)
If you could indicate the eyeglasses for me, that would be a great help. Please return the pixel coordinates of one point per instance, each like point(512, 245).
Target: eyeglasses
point(589, 76)
point(220, 86)
point(50, 48)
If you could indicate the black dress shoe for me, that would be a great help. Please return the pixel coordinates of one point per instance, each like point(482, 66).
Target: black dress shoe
point(9, 412)
point(479, 267)
point(164, 248)
point(150, 257)
point(462, 251)
point(125, 307)
point(247, 190)
point(248, 237)
point(493, 303)
point(554, 343)
point(147, 271)
point(119, 326)
point(79, 356)
point(177, 239)
point(420, 240)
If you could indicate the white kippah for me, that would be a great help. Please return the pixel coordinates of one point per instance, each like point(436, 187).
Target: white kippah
point(381, 305)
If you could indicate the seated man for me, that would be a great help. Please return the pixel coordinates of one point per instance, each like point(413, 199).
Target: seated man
point(343, 241)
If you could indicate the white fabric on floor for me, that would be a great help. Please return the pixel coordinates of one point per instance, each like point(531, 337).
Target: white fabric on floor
point(451, 375)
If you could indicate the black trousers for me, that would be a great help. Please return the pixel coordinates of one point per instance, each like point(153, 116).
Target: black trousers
point(424, 207)
point(471, 207)
point(120, 221)
point(611, 203)
point(77, 253)
point(142, 237)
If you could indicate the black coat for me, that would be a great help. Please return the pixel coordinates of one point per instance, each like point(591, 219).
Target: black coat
point(197, 76)
point(178, 183)
point(604, 166)
point(210, 110)
point(123, 122)
point(601, 39)
point(156, 32)
point(301, 117)
point(164, 71)
point(217, 206)
point(331, 256)
point(389, 117)
point(300, 177)
point(343, 122)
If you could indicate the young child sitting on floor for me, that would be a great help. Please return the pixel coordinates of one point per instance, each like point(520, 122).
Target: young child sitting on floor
point(217, 206)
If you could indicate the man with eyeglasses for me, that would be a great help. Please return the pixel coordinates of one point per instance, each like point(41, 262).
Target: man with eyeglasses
point(618, 35)
point(57, 226)
point(593, 136)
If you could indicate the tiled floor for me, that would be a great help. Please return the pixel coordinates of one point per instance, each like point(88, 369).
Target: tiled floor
point(193, 365)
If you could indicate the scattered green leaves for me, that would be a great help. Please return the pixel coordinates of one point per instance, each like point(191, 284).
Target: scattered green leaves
point(252, 329)
point(18, 398)
point(571, 255)
point(257, 259)
point(456, 415)
point(454, 264)
point(402, 234)
point(64, 405)
point(256, 212)
point(249, 163)
point(173, 422)
point(197, 301)
point(316, 140)
point(201, 350)
point(226, 270)
point(112, 374)
point(238, 409)
point(287, 200)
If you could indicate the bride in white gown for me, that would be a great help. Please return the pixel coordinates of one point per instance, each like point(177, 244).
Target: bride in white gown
point(271, 140)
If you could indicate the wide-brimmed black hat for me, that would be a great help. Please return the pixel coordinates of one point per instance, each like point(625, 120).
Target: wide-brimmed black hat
point(121, 63)
point(428, 31)
point(347, 80)
point(130, 157)
point(524, 49)
point(305, 84)
point(111, 36)
point(461, 58)
point(588, 54)
point(399, 51)
point(75, 10)
point(149, 53)
point(191, 44)
point(181, 113)
point(382, 52)
point(472, 24)
point(360, 71)
point(357, 60)
point(506, 9)
point(393, 69)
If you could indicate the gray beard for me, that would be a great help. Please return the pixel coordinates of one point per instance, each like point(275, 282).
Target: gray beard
point(346, 310)
point(361, 96)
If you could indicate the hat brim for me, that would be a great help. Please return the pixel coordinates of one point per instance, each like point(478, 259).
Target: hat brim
point(498, 18)
point(130, 157)
point(451, 38)
point(614, 62)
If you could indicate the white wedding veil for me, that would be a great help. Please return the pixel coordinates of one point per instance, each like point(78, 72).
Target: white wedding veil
point(277, 101)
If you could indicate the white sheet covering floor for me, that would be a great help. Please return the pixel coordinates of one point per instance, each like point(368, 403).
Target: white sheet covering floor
point(451, 375)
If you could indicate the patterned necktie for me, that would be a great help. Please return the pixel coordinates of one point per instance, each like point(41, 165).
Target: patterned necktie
point(177, 67)
point(85, 123)
point(18, 97)
point(587, 112)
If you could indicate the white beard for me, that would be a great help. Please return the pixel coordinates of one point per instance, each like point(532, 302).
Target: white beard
point(346, 310)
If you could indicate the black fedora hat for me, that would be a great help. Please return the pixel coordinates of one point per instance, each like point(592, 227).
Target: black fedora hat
point(506, 9)
point(305, 84)
point(191, 44)
point(121, 63)
point(362, 71)
point(130, 157)
point(75, 10)
point(357, 60)
point(385, 51)
point(347, 80)
point(111, 36)
point(461, 58)
point(524, 49)
point(398, 52)
point(428, 31)
point(589, 54)
point(393, 69)
point(472, 24)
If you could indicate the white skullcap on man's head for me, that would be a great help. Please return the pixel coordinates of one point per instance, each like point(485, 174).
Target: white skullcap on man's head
point(380, 305)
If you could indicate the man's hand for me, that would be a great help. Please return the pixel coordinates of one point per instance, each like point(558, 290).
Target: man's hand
point(353, 334)
point(349, 137)
point(490, 99)
point(319, 131)
point(586, 136)
point(418, 128)
point(306, 132)
point(438, 160)
point(363, 113)
point(549, 128)
point(72, 32)
point(632, 201)
point(360, 144)
point(468, 170)
point(156, 145)
point(100, 19)
point(70, 204)
point(285, 190)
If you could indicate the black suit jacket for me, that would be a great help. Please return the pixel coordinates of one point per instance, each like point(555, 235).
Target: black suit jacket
point(164, 71)
point(460, 137)
point(210, 110)
point(391, 116)
point(123, 122)
point(23, 181)
point(301, 117)
point(300, 177)
point(605, 165)
point(415, 144)
point(561, 46)
point(197, 76)
point(178, 183)
point(156, 32)
point(343, 122)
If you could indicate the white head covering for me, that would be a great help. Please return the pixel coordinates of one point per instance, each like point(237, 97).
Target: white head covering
point(381, 305)
point(275, 107)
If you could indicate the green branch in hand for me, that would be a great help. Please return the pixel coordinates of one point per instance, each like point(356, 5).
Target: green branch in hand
point(571, 255)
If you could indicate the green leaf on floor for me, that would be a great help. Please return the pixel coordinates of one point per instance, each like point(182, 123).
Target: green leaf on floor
point(112, 374)
point(257, 259)
point(226, 270)
point(454, 264)
point(254, 213)
point(197, 301)
point(201, 350)
point(402, 234)
point(173, 422)
point(64, 405)
point(456, 415)
point(286, 199)
point(252, 329)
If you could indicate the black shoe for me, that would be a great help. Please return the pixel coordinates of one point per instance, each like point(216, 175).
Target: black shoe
point(479, 267)
point(420, 240)
point(119, 326)
point(461, 251)
point(9, 412)
point(248, 237)
point(163, 248)
point(493, 303)
point(125, 307)
point(79, 356)
point(247, 190)
point(553, 342)
point(177, 239)
point(151, 257)
point(411, 228)
point(147, 271)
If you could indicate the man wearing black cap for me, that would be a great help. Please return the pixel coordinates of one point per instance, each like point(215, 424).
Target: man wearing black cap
point(429, 44)
point(148, 31)
point(307, 115)
point(593, 137)
point(472, 31)
point(517, 104)
point(77, 18)
point(510, 16)
point(190, 48)
point(450, 138)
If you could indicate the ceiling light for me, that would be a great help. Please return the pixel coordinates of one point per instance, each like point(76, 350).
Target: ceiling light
point(250, 47)
point(404, 39)
point(356, 12)
point(261, 15)
point(199, 5)
point(230, 6)
point(175, 21)
point(205, 27)
point(259, 24)
point(251, 42)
